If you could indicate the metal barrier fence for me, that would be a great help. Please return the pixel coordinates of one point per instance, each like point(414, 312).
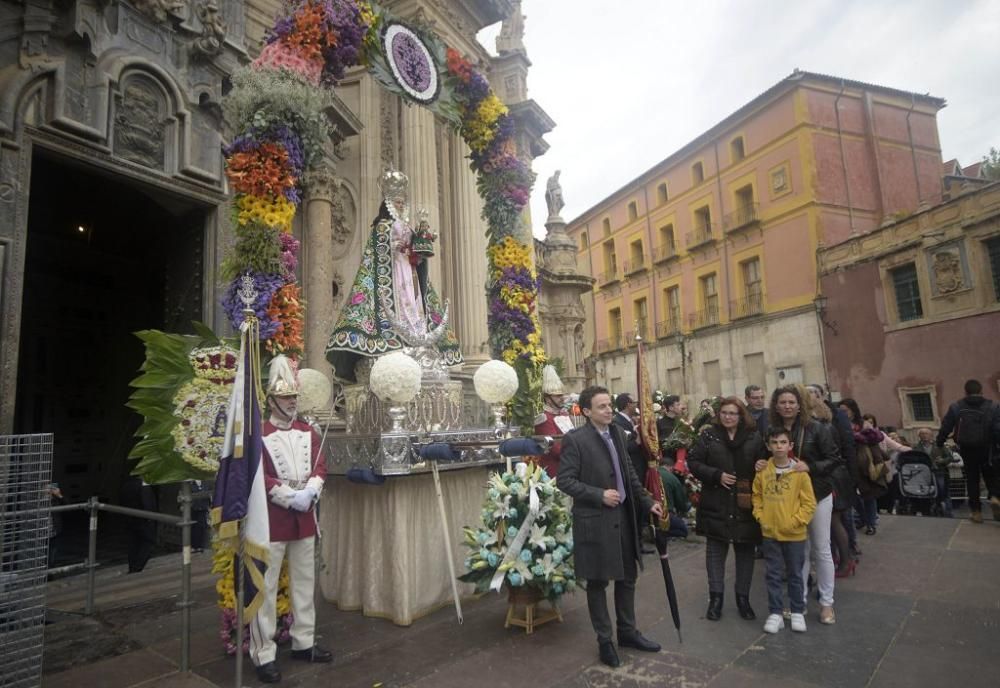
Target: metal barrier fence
point(184, 522)
point(25, 472)
point(25, 523)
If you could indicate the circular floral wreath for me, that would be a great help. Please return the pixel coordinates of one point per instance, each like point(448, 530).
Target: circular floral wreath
point(410, 59)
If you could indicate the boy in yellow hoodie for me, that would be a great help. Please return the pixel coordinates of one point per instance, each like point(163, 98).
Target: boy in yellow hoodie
point(783, 504)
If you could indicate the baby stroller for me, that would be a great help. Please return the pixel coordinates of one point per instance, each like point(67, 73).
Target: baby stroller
point(917, 487)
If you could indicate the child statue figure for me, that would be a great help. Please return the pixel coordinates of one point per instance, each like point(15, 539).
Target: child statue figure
point(392, 304)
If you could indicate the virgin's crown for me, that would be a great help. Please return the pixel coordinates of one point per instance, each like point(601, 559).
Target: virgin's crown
point(393, 183)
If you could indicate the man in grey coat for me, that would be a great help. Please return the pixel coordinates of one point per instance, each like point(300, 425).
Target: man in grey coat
point(595, 471)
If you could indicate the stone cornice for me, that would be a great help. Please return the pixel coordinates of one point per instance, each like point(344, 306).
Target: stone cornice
point(935, 224)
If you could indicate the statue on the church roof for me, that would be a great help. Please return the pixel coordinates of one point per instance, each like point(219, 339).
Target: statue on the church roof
point(392, 304)
point(554, 196)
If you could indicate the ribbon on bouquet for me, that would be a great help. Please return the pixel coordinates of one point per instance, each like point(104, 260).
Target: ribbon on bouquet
point(514, 550)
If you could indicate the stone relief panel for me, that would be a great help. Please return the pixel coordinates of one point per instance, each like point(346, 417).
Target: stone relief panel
point(343, 220)
point(206, 141)
point(160, 10)
point(140, 122)
point(948, 269)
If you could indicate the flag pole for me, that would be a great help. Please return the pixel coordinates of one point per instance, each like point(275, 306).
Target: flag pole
point(238, 575)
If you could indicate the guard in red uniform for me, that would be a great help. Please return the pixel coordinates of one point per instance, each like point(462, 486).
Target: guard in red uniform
point(553, 421)
point(294, 472)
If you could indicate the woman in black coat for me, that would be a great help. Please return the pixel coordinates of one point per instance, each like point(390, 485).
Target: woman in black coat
point(723, 459)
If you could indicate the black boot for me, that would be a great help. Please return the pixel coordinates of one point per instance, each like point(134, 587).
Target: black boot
point(746, 611)
point(714, 612)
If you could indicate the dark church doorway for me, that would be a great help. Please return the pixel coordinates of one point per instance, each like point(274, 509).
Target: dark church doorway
point(106, 256)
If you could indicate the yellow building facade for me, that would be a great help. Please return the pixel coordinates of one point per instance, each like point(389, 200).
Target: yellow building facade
point(711, 255)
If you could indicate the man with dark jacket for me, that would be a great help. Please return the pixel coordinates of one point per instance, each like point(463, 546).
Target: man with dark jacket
point(607, 496)
point(975, 421)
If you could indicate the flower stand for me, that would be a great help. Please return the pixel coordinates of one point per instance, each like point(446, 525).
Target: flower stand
point(527, 599)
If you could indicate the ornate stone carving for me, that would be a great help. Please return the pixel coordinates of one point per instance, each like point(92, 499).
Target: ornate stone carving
point(387, 128)
point(511, 38)
point(213, 28)
point(320, 182)
point(343, 219)
point(948, 273)
point(139, 125)
point(159, 10)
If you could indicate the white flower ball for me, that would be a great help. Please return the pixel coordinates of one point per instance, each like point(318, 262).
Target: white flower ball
point(395, 377)
point(495, 382)
point(314, 390)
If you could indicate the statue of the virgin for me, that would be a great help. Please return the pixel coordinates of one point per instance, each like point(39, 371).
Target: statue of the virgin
point(392, 304)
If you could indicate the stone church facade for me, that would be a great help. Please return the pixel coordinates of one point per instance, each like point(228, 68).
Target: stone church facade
point(102, 95)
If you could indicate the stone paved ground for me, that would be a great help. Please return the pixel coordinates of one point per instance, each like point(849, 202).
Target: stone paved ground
point(924, 610)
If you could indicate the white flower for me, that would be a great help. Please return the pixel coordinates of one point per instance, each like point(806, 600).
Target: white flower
point(538, 538)
point(395, 377)
point(495, 382)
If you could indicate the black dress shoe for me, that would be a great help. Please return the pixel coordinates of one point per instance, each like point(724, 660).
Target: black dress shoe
point(609, 655)
point(268, 673)
point(314, 654)
point(743, 605)
point(714, 611)
point(638, 641)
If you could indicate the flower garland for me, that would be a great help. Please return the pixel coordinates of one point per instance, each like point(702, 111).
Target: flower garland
point(223, 556)
point(545, 560)
point(277, 112)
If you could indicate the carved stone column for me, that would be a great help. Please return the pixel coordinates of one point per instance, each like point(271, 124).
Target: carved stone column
point(419, 162)
point(469, 257)
point(317, 265)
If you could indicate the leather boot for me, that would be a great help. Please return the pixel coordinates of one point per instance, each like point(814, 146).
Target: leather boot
point(714, 612)
point(746, 611)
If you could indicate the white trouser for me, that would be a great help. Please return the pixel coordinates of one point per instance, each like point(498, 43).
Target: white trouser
point(302, 573)
point(819, 546)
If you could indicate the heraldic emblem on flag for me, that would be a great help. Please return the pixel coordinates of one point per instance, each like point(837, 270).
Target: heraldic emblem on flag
point(240, 494)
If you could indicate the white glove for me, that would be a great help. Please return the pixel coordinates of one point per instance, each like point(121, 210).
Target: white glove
point(303, 499)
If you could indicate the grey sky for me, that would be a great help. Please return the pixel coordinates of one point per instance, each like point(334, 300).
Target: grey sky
point(630, 82)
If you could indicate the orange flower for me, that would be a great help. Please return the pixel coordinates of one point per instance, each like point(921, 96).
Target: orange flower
point(286, 307)
point(262, 171)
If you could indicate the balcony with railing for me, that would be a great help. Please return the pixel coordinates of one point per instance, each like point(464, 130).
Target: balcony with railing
point(630, 335)
point(704, 318)
point(668, 327)
point(701, 236)
point(634, 265)
point(747, 307)
point(747, 215)
point(664, 252)
point(608, 277)
point(613, 343)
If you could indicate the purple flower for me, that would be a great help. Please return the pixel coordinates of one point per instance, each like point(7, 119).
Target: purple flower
point(266, 285)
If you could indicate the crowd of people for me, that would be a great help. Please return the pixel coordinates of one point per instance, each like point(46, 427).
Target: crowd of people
point(793, 481)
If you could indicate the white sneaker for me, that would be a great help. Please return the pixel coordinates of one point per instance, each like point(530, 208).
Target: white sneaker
point(799, 623)
point(775, 623)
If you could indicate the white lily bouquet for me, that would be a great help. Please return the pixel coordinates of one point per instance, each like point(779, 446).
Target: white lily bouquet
point(526, 537)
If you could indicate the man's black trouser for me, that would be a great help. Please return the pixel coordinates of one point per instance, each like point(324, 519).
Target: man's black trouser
point(597, 599)
point(977, 463)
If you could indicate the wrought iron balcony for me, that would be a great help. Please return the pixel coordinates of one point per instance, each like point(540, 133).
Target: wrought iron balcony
point(635, 265)
point(629, 339)
point(751, 305)
point(701, 236)
point(664, 252)
point(744, 216)
point(609, 277)
point(612, 343)
point(669, 327)
point(704, 318)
